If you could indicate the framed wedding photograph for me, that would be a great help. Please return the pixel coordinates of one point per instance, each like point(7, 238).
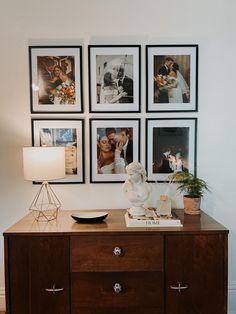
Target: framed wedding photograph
point(68, 133)
point(114, 78)
point(56, 79)
point(172, 78)
point(170, 147)
point(114, 143)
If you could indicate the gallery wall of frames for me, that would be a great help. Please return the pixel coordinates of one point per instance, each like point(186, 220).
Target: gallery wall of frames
point(114, 72)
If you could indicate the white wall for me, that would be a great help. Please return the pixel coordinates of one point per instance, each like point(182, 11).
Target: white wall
point(210, 23)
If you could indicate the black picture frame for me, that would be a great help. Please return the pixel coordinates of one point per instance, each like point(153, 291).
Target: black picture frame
point(63, 132)
point(108, 158)
point(56, 79)
point(172, 78)
point(114, 78)
point(171, 145)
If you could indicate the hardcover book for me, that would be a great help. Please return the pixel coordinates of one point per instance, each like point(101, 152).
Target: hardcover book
point(151, 219)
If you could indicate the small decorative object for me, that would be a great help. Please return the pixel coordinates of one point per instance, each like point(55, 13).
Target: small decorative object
point(89, 216)
point(44, 164)
point(136, 188)
point(194, 188)
point(163, 205)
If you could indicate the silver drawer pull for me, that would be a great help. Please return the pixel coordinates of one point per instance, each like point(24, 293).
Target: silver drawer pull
point(54, 290)
point(117, 287)
point(179, 287)
point(117, 251)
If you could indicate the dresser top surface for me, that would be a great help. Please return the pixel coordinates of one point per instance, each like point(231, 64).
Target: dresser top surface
point(115, 222)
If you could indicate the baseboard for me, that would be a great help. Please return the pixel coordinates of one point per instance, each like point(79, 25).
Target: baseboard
point(232, 297)
point(2, 299)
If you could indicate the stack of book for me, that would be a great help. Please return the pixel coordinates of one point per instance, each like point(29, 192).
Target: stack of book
point(151, 219)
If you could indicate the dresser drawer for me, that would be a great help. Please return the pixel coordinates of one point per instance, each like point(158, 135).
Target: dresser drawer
point(100, 290)
point(116, 253)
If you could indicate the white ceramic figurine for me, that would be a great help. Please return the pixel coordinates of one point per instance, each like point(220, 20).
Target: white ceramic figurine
point(136, 189)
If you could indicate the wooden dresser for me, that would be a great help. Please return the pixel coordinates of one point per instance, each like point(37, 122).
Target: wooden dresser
point(63, 267)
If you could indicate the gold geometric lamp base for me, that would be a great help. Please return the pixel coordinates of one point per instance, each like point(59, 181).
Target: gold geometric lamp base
point(45, 205)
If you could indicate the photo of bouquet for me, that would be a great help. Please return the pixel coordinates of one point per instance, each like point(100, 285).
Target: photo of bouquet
point(161, 81)
point(65, 93)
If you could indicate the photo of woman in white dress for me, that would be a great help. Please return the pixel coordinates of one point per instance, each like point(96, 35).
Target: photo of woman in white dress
point(56, 80)
point(110, 93)
point(176, 85)
point(114, 79)
point(109, 160)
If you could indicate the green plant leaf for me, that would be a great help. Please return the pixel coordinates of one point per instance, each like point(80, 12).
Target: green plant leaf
point(189, 184)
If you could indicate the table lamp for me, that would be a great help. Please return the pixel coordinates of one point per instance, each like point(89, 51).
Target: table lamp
point(44, 164)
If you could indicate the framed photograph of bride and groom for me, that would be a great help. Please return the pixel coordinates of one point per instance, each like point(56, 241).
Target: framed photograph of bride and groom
point(56, 79)
point(172, 78)
point(114, 143)
point(114, 78)
point(170, 147)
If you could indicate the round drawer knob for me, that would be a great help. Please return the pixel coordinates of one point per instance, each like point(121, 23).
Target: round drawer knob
point(117, 251)
point(117, 287)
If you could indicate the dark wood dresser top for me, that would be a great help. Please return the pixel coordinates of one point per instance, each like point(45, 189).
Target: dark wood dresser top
point(115, 223)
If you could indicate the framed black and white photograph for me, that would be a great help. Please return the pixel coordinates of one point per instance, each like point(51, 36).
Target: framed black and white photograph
point(172, 78)
point(114, 143)
point(170, 147)
point(114, 78)
point(56, 79)
point(68, 133)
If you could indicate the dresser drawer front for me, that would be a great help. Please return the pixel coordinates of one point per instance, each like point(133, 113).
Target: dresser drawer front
point(96, 290)
point(101, 253)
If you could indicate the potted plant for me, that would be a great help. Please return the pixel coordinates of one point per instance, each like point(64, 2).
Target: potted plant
point(193, 189)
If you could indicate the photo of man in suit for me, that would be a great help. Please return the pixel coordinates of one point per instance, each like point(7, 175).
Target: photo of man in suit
point(164, 71)
point(126, 83)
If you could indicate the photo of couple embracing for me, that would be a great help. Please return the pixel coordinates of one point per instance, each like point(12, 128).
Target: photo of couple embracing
point(172, 79)
point(115, 150)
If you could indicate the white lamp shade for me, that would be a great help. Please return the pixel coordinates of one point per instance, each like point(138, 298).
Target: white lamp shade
point(44, 163)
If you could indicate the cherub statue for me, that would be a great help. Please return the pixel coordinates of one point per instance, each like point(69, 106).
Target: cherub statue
point(136, 189)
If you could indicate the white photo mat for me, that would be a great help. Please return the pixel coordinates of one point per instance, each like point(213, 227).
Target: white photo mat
point(96, 124)
point(130, 51)
point(190, 124)
point(172, 50)
point(73, 124)
point(52, 51)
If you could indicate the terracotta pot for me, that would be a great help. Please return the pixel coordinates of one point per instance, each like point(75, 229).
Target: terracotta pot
point(192, 205)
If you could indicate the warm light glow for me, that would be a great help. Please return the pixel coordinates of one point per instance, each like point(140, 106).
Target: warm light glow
point(35, 87)
point(44, 163)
